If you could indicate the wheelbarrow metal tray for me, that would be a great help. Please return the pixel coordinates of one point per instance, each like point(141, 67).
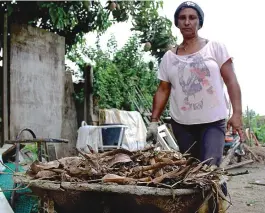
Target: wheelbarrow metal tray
point(79, 197)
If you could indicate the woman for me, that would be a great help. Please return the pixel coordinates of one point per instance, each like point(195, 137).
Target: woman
point(192, 75)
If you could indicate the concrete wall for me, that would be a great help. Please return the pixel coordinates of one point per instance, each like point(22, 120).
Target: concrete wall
point(37, 89)
point(69, 118)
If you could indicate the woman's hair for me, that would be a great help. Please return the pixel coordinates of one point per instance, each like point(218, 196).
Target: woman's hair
point(189, 4)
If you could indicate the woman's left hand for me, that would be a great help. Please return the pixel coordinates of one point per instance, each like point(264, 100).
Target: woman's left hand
point(237, 126)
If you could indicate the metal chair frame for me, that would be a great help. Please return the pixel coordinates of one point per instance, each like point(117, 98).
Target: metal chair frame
point(39, 142)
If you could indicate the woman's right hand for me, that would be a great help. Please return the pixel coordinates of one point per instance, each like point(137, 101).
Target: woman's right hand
point(152, 132)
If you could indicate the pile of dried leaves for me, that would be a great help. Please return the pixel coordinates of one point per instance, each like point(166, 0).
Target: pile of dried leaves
point(147, 167)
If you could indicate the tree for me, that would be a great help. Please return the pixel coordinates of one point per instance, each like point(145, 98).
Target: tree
point(118, 73)
point(256, 123)
point(154, 30)
point(72, 19)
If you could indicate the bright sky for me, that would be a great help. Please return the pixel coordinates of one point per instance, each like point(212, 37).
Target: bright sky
point(239, 25)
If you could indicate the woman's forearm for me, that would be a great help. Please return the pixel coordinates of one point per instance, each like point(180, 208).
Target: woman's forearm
point(159, 102)
point(234, 93)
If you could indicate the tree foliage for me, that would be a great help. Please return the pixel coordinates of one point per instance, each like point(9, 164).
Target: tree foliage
point(256, 123)
point(118, 73)
point(154, 29)
point(73, 19)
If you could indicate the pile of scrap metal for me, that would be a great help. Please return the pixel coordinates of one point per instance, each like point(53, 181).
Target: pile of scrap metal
point(237, 154)
point(167, 173)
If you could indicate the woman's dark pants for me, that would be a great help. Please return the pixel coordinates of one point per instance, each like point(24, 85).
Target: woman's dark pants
point(209, 138)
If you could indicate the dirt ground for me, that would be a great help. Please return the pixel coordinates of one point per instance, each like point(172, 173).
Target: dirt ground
point(247, 197)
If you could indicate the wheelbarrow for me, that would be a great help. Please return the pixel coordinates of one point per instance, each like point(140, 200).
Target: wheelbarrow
point(69, 197)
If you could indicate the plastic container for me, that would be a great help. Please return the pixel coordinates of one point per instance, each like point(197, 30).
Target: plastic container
point(110, 136)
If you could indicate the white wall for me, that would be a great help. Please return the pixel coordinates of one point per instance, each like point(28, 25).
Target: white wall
point(37, 88)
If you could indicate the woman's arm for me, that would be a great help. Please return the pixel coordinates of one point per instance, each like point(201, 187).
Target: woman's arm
point(234, 92)
point(160, 100)
point(233, 88)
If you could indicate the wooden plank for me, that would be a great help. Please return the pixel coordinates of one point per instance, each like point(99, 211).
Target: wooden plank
point(236, 165)
point(51, 152)
point(231, 153)
point(10, 153)
point(5, 91)
point(88, 95)
point(40, 140)
point(259, 183)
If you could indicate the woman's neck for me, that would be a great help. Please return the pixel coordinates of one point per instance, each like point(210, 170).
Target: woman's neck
point(188, 41)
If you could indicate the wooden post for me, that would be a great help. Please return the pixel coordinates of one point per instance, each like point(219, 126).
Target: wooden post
point(88, 95)
point(5, 91)
point(249, 126)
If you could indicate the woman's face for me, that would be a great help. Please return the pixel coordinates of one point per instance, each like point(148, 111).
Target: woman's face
point(188, 22)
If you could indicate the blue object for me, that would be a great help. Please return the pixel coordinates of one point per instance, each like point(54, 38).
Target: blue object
point(24, 203)
point(110, 136)
point(229, 144)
